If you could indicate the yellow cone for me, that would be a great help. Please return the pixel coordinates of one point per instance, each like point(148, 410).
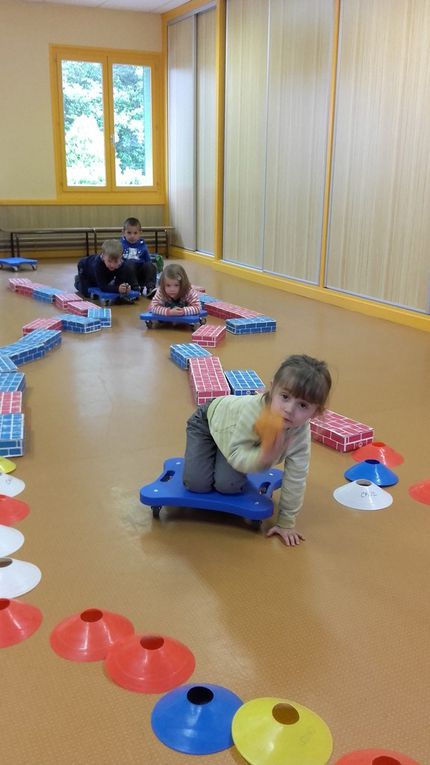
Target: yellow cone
point(270, 731)
point(6, 466)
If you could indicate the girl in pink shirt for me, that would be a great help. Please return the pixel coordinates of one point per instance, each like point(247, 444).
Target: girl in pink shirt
point(175, 296)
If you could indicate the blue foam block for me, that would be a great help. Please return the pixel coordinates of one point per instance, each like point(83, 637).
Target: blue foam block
point(44, 294)
point(6, 365)
point(11, 435)
point(82, 324)
point(195, 318)
point(21, 353)
point(14, 381)
point(111, 297)
point(103, 315)
point(244, 382)
point(49, 338)
point(254, 502)
point(251, 326)
point(181, 353)
point(15, 263)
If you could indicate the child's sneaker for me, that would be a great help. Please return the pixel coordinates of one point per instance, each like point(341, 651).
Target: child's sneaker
point(150, 291)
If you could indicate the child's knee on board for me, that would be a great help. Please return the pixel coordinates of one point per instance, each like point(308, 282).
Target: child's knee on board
point(197, 483)
point(230, 485)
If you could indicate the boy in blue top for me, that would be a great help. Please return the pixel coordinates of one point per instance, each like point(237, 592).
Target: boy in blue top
point(106, 271)
point(136, 253)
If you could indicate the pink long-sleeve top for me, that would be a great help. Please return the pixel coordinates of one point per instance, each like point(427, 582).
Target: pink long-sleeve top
point(190, 303)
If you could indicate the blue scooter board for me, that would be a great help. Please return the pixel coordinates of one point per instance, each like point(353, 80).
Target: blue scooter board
point(16, 263)
point(107, 298)
point(254, 503)
point(150, 318)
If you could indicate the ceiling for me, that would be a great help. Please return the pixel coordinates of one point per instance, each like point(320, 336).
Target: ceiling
point(149, 6)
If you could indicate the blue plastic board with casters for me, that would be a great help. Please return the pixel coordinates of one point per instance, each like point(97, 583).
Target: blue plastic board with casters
point(15, 263)
point(196, 318)
point(254, 503)
point(107, 298)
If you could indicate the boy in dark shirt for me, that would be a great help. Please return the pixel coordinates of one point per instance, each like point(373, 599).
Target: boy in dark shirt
point(106, 271)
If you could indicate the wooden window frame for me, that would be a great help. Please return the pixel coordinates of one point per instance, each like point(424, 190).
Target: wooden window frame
point(110, 194)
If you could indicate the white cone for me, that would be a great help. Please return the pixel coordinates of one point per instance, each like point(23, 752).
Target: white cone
point(362, 495)
point(10, 540)
point(10, 486)
point(17, 577)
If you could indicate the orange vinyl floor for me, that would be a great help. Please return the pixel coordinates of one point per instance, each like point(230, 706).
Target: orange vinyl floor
point(340, 625)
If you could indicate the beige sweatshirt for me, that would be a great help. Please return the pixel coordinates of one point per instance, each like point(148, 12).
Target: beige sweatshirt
point(231, 422)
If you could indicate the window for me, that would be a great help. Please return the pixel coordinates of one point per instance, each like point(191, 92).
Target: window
point(107, 114)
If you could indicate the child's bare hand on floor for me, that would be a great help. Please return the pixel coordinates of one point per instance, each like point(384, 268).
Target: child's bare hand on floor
point(290, 537)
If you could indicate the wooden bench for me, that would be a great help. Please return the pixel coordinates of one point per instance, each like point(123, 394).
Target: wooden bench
point(27, 239)
point(86, 239)
point(156, 237)
point(4, 241)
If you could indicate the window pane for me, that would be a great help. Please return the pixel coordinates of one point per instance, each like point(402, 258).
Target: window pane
point(132, 124)
point(83, 123)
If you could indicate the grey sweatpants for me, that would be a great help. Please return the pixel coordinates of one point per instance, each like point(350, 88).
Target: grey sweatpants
point(205, 467)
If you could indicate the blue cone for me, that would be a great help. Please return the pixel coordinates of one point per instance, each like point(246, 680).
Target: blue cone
point(196, 719)
point(372, 470)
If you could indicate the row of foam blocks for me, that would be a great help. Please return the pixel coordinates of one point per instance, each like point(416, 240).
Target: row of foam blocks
point(238, 320)
point(12, 383)
point(39, 337)
point(207, 377)
point(81, 315)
